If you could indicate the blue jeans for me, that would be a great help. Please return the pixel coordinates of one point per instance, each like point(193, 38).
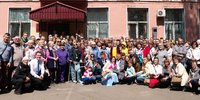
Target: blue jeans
point(75, 71)
point(110, 79)
point(88, 80)
point(140, 78)
point(98, 78)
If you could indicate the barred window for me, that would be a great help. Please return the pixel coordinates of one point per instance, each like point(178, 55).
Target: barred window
point(19, 21)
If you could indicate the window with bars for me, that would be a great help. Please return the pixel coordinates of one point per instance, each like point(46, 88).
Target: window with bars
point(97, 22)
point(137, 22)
point(174, 24)
point(19, 21)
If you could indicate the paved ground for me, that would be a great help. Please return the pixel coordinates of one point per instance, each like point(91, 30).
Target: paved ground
point(70, 91)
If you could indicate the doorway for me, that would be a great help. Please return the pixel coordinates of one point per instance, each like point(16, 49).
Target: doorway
point(60, 28)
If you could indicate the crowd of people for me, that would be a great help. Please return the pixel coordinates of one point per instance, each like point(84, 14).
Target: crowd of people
point(34, 63)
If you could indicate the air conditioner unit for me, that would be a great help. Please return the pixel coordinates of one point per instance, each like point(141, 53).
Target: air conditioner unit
point(161, 13)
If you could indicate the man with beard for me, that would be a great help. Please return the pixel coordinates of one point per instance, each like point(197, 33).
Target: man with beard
point(17, 56)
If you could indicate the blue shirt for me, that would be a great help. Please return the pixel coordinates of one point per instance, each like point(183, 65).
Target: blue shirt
point(8, 53)
point(96, 52)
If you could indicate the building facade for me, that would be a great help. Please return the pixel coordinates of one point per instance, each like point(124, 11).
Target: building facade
point(169, 19)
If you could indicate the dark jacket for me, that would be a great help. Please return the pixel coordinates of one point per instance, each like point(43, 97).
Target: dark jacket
point(22, 71)
point(50, 62)
point(75, 54)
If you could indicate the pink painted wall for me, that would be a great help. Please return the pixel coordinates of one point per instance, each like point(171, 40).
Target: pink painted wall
point(118, 15)
point(4, 14)
point(117, 12)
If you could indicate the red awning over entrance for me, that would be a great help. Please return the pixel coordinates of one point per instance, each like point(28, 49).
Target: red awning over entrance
point(57, 11)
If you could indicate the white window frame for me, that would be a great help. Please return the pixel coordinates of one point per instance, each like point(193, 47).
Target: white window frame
point(99, 22)
point(137, 26)
point(173, 22)
point(97, 28)
point(137, 23)
point(19, 22)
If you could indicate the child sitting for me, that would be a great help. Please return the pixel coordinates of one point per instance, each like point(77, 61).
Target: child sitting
point(88, 77)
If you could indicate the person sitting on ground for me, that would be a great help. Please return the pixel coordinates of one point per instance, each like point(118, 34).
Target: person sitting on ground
point(120, 64)
point(21, 77)
point(179, 71)
point(144, 73)
point(129, 73)
point(88, 76)
point(96, 67)
point(109, 77)
point(166, 75)
point(155, 73)
point(194, 76)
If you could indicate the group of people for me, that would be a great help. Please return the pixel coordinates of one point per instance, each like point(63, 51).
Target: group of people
point(30, 63)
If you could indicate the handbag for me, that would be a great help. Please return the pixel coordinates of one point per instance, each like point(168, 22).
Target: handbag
point(176, 80)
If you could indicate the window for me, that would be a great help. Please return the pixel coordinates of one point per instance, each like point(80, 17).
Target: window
point(174, 24)
point(97, 22)
point(19, 21)
point(137, 22)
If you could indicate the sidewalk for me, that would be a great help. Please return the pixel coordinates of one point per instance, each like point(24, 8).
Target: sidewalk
point(70, 91)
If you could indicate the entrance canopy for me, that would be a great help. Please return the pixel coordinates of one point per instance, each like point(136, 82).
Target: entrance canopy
point(57, 11)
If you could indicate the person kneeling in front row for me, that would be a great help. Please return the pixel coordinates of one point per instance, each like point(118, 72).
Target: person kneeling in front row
point(194, 76)
point(21, 77)
point(39, 77)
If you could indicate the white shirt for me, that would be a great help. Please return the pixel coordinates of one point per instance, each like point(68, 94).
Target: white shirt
point(152, 52)
point(193, 53)
point(30, 53)
point(169, 52)
point(138, 51)
point(156, 69)
point(34, 68)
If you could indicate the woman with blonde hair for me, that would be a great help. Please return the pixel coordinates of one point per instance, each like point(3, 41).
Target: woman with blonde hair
point(179, 71)
point(145, 72)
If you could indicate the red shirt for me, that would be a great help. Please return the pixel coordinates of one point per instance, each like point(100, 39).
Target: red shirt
point(146, 51)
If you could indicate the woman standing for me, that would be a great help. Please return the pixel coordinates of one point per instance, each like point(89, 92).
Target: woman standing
point(52, 60)
point(62, 62)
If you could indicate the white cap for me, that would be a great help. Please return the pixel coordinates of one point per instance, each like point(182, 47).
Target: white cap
point(25, 58)
point(16, 37)
point(37, 38)
point(198, 41)
point(30, 41)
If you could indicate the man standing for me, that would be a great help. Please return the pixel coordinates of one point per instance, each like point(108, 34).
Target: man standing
point(180, 50)
point(18, 51)
point(161, 53)
point(6, 56)
point(25, 39)
point(75, 57)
